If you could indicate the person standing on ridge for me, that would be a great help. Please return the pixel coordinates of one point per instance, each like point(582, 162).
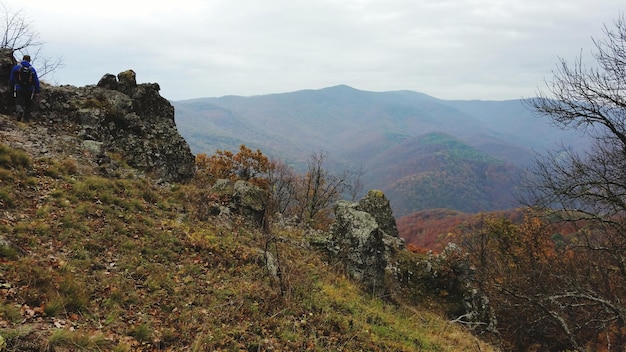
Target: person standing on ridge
point(25, 83)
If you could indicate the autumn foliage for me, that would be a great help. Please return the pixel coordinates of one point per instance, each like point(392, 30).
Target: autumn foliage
point(306, 197)
point(246, 165)
point(548, 290)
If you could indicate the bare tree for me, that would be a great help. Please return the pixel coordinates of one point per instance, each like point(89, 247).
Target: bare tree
point(587, 189)
point(318, 188)
point(282, 181)
point(19, 35)
point(306, 196)
point(592, 186)
point(355, 187)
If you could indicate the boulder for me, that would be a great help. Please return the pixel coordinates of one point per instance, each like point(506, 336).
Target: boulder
point(364, 237)
point(108, 81)
point(376, 204)
point(250, 201)
point(128, 79)
point(246, 199)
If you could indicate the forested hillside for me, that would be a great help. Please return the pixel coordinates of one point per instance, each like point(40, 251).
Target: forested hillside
point(438, 171)
point(375, 132)
point(433, 229)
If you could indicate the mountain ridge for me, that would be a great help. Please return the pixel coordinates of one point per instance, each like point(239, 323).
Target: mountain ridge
point(358, 128)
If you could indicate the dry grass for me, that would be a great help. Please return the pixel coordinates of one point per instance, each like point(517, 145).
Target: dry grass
point(123, 265)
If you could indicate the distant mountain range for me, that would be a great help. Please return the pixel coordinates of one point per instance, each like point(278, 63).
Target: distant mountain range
point(423, 152)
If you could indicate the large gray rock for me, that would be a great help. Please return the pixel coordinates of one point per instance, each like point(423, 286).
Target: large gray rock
point(363, 238)
point(246, 199)
point(376, 204)
point(125, 118)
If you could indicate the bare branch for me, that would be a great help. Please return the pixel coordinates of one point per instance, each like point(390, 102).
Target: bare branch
point(19, 35)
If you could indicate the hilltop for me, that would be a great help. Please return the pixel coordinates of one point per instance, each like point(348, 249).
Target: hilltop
point(108, 243)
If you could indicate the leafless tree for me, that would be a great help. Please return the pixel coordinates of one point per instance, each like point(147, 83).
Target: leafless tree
point(282, 181)
point(592, 186)
point(19, 35)
point(305, 196)
point(355, 187)
point(589, 188)
point(318, 188)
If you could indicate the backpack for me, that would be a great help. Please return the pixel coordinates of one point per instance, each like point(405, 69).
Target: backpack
point(24, 76)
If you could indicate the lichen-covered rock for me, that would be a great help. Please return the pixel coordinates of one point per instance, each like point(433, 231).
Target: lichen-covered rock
point(125, 118)
point(108, 81)
point(127, 80)
point(250, 201)
point(364, 237)
point(358, 243)
point(376, 204)
point(245, 199)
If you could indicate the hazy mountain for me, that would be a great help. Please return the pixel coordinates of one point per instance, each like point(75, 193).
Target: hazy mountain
point(383, 133)
point(436, 170)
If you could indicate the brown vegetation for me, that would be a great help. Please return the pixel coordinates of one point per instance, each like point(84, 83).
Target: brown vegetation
point(121, 264)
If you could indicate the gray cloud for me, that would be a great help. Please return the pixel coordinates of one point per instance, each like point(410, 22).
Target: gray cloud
point(456, 49)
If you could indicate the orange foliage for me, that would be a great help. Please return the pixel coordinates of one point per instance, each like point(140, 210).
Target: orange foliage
point(246, 165)
point(432, 229)
point(415, 249)
point(530, 277)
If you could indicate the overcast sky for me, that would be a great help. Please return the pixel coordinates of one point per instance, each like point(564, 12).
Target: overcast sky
point(450, 49)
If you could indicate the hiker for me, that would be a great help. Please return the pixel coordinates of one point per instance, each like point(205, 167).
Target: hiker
point(25, 85)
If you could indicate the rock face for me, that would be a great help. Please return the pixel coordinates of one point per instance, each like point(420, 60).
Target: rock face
point(364, 237)
point(7, 61)
point(122, 117)
point(365, 240)
point(117, 117)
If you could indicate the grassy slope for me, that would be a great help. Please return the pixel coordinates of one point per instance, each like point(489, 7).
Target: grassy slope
point(121, 264)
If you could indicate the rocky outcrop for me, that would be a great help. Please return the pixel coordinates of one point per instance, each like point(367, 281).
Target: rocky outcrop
point(365, 240)
point(119, 116)
point(116, 117)
point(245, 199)
point(364, 237)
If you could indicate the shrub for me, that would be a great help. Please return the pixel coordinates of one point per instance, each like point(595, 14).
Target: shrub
point(141, 332)
point(12, 158)
point(246, 165)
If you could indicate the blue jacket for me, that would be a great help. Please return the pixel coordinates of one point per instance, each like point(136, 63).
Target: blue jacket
point(13, 77)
